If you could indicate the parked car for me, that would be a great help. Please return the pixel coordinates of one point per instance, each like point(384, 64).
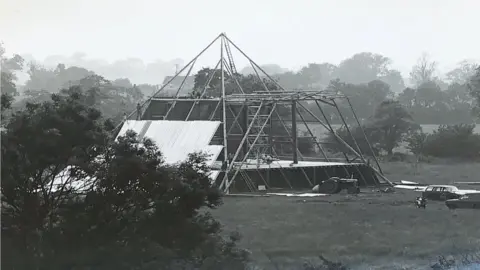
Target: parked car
point(441, 193)
point(470, 201)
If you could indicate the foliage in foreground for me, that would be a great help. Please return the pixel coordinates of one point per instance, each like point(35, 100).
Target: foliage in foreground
point(72, 199)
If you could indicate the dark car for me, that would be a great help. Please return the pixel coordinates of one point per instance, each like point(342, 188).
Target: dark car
point(469, 201)
point(441, 193)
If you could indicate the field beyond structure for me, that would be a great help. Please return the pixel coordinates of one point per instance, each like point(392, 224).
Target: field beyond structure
point(371, 228)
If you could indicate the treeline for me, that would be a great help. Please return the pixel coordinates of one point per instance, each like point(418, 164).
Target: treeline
point(392, 125)
point(366, 78)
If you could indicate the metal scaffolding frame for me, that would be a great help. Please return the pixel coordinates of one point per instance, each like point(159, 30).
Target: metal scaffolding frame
point(260, 108)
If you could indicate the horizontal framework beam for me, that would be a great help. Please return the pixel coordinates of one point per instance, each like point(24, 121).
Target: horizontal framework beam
point(250, 100)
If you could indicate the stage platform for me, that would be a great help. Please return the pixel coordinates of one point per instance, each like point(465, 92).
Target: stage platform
point(252, 164)
point(303, 175)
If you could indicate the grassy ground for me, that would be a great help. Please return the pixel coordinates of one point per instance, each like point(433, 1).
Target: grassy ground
point(371, 228)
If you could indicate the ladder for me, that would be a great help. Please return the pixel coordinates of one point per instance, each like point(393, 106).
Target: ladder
point(262, 144)
point(230, 58)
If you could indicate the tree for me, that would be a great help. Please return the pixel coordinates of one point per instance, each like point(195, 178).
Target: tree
point(37, 144)
point(423, 71)
point(474, 89)
point(310, 75)
point(53, 80)
point(123, 82)
point(270, 69)
point(395, 80)
point(389, 125)
point(64, 182)
point(364, 97)
point(428, 104)
point(289, 80)
point(429, 95)
point(8, 78)
point(365, 67)
point(5, 105)
point(248, 83)
point(393, 122)
point(202, 77)
point(41, 78)
point(327, 71)
point(416, 142)
point(113, 101)
point(462, 73)
point(8, 67)
point(460, 104)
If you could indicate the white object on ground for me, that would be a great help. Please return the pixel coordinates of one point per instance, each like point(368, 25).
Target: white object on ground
point(298, 194)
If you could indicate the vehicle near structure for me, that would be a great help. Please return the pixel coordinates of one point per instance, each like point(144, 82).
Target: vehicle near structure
point(470, 201)
point(335, 185)
point(441, 192)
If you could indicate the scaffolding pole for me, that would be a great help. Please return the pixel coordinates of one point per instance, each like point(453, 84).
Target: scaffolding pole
point(203, 92)
point(224, 109)
point(178, 91)
point(348, 130)
point(294, 132)
point(365, 136)
point(171, 79)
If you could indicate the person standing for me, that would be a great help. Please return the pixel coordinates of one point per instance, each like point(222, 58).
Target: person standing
point(139, 112)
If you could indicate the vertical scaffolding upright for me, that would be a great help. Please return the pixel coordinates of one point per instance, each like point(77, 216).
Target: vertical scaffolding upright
point(224, 107)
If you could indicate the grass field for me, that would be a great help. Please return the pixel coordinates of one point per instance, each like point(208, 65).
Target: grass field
point(380, 229)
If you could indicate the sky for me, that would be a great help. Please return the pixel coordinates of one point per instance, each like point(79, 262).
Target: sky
point(288, 33)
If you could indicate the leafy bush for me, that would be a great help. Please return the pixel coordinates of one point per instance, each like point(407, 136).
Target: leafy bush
point(73, 199)
point(448, 141)
point(416, 142)
point(391, 123)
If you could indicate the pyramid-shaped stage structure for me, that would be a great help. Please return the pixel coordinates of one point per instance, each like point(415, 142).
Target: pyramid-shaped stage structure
point(263, 126)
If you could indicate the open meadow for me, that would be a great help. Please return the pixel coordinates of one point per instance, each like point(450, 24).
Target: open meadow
point(371, 229)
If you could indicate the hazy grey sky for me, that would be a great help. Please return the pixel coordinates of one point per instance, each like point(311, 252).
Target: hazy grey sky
point(290, 33)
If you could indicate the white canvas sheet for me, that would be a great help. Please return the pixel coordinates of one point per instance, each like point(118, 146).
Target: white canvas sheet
point(213, 176)
point(177, 139)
